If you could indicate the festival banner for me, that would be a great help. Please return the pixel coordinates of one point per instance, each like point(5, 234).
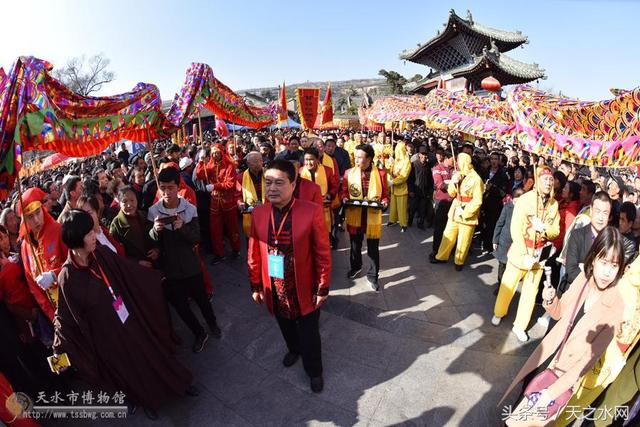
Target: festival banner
point(37, 112)
point(283, 116)
point(307, 100)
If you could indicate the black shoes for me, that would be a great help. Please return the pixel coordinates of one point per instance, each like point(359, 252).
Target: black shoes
point(200, 341)
point(215, 331)
point(459, 267)
point(353, 273)
point(434, 260)
point(216, 259)
point(290, 359)
point(391, 224)
point(192, 391)
point(151, 414)
point(317, 384)
point(403, 229)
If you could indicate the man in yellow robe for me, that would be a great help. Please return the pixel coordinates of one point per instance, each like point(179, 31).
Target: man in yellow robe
point(250, 189)
point(535, 222)
point(466, 188)
point(398, 210)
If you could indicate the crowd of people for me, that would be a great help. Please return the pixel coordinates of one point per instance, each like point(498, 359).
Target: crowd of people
point(93, 253)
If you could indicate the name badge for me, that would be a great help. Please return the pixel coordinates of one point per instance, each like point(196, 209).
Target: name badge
point(121, 309)
point(276, 266)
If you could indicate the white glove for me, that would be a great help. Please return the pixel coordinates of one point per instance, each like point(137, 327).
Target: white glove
point(209, 188)
point(46, 279)
point(537, 224)
point(455, 178)
point(528, 262)
point(458, 213)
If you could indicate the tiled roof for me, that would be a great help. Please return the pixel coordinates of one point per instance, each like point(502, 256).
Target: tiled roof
point(502, 37)
point(518, 69)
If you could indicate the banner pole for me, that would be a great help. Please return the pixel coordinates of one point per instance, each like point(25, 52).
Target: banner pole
point(200, 127)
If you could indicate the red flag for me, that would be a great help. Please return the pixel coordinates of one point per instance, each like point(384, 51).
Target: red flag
point(282, 106)
point(327, 108)
point(307, 106)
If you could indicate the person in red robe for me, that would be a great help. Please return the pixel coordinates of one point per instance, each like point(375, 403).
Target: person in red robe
point(44, 255)
point(14, 291)
point(220, 175)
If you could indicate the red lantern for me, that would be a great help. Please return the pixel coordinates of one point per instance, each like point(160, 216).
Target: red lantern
point(491, 84)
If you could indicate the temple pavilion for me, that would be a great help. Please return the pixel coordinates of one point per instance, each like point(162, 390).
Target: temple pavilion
point(465, 53)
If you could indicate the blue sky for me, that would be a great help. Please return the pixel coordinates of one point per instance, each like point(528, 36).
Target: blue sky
point(586, 47)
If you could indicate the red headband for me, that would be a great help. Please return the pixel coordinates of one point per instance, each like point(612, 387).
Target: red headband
point(544, 172)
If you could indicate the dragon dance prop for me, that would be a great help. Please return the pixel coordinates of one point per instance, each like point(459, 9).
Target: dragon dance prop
point(202, 89)
point(604, 134)
point(37, 112)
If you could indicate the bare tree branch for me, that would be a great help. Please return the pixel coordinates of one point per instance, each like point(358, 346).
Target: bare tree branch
point(74, 76)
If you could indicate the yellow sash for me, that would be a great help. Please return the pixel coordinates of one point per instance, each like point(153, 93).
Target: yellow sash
point(328, 162)
point(374, 216)
point(249, 194)
point(321, 178)
point(250, 197)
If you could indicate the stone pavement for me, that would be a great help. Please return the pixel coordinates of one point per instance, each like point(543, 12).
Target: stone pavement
point(420, 352)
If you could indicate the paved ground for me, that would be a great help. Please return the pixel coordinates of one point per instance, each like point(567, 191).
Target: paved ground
point(420, 352)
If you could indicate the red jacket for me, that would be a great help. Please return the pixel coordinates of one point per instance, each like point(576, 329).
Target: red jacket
point(54, 254)
point(223, 178)
point(311, 251)
point(307, 190)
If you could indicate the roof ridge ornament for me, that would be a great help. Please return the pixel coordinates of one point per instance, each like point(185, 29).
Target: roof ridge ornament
point(469, 17)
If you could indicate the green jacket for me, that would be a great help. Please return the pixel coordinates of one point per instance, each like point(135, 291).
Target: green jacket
point(136, 244)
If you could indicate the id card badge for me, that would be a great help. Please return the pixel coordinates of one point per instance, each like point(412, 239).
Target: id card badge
point(121, 309)
point(276, 265)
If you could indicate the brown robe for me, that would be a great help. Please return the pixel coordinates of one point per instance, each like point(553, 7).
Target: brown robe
point(136, 357)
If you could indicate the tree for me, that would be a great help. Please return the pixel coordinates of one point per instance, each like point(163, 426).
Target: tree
point(267, 94)
point(85, 76)
point(396, 81)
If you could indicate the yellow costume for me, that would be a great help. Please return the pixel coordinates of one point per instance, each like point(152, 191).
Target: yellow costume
point(400, 194)
point(378, 148)
point(250, 198)
point(526, 241)
point(354, 214)
point(320, 178)
point(350, 146)
point(463, 214)
point(607, 368)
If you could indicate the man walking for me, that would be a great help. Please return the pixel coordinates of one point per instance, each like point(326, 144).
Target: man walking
point(290, 266)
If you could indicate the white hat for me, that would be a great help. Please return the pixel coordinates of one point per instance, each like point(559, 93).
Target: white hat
point(185, 162)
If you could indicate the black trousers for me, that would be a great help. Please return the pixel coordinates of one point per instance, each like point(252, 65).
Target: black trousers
point(178, 292)
point(490, 220)
point(302, 336)
point(421, 205)
point(440, 222)
point(373, 253)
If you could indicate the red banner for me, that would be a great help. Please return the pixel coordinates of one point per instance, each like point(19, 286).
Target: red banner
point(327, 109)
point(282, 106)
point(307, 106)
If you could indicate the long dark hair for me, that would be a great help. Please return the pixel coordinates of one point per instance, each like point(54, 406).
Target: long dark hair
point(608, 239)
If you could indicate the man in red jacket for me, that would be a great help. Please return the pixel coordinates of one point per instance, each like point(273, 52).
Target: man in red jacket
point(290, 266)
point(220, 176)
